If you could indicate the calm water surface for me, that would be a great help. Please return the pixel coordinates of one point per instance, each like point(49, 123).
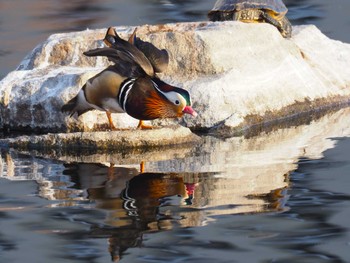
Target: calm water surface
point(26, 23)
point(279, 196)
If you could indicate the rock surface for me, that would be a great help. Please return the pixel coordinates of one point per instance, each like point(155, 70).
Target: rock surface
point(115, 140)
point(238, 74)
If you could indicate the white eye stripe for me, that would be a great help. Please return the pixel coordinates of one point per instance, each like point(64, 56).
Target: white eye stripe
point(173, 96)
point(156, 87)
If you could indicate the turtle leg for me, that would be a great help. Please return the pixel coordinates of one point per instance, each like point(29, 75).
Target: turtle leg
point(283, 26)
point(286, 27)
point(271, 20)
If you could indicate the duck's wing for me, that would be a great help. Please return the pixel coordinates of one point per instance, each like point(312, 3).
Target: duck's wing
point(159, 58)
point(127, 51)
point(124, 63)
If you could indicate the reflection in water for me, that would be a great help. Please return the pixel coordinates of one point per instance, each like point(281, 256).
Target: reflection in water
point(225, 198)
point(132, 202)
point(311, 215)
point(136, 203)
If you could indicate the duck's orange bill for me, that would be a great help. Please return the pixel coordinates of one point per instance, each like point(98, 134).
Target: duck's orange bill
point(189, 110)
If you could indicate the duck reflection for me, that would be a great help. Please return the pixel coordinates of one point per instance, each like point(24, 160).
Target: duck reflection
point(133, 200)
point(137, 202)
point(129, 193)
point(142, 199)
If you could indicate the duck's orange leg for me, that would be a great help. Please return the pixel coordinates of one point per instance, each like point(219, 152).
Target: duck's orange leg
point(142, 167)
point(142, 126)
point(111, 125)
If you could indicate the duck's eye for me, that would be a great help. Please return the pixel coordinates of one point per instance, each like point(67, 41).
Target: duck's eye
point(177, 102)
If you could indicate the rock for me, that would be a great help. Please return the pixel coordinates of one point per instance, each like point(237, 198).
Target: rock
point(115, 140)
point(239, 75)
point(268, 78)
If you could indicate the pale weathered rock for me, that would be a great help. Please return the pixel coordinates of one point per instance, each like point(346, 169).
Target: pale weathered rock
point(266, 77)
point(238, 74)
point(115, 140)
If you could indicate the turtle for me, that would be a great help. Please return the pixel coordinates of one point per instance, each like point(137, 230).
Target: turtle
point(270, 11)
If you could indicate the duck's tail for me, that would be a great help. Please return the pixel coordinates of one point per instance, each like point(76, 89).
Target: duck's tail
point(75, 106)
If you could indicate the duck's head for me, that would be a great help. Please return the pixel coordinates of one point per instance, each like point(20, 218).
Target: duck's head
point(181, 101)
point(177, 100)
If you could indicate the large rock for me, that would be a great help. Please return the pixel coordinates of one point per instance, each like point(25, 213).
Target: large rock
point(238, 74)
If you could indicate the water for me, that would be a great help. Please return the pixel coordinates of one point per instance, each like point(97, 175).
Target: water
point(279, 196)
point(26, 23)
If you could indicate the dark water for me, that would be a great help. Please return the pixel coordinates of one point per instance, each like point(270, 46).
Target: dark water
point(281, 196)
point(26, 23)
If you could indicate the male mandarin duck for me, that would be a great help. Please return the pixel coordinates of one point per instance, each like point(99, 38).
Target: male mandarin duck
point(131, 84)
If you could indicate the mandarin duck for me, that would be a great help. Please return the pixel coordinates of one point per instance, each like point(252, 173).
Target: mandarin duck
point(131, 84)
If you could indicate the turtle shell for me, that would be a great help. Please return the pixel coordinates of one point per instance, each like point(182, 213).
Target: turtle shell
point(276, 6)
